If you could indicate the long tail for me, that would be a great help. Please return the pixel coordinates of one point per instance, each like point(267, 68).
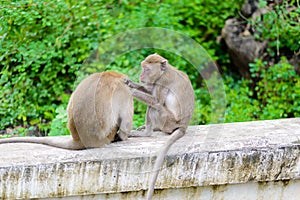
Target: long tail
point(160, 158)
point(64, 142)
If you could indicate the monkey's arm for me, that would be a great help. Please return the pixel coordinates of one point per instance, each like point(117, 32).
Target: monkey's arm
point(156, 103)
point(137, 86)
point(146, 98)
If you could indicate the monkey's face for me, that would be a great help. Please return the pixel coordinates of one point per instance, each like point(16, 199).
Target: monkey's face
point(150, 72)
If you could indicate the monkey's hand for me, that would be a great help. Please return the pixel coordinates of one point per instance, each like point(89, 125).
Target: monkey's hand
point(132, 85)
point(129, 82)
point(125, 80)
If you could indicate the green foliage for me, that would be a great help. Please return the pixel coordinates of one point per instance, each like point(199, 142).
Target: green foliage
point(241, 106)
point(5, 136)
point(275, 93)
point(279, 26)
point(203, 110)
point(204, 20)
point(34, 63)
point(44, 44)
point(59, 123)
point(19, 131)
point(277, 89)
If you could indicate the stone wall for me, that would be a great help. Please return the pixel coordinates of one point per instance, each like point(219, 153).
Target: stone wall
point(249, 160)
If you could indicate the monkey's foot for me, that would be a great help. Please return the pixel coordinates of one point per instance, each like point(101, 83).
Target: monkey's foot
point(139, 134)
point(159, 133)
point(141, 128)
point(135, 134)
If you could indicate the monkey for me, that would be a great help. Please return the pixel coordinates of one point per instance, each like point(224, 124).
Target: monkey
point(100, 110)
point(169, 95)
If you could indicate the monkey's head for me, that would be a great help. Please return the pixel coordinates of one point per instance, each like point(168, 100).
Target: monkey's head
point(152, 68)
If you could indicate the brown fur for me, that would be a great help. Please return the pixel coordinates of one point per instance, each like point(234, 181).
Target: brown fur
point(100, 107)
point(170, 98)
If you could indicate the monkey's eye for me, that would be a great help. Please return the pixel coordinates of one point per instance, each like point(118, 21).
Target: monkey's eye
point(146, 69)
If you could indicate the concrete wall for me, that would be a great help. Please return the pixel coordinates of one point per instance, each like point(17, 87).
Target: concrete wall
point(251, 160)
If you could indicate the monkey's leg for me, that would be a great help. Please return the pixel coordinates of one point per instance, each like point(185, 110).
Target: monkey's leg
point(147, 129)
point(123, 135)
point(72, 128)
point(125, 128)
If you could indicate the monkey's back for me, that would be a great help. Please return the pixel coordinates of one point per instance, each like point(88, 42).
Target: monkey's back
point(92, 108)
point(182, 99)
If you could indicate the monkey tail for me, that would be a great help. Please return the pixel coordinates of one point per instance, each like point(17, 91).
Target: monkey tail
point(64, 142)
point(177, 134)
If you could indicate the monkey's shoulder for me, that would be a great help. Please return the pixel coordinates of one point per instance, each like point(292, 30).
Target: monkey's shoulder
point(111, 74)
point(109, 79)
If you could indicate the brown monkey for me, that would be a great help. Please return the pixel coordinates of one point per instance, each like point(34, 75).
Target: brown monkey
point(170, 98)
point(100, 107)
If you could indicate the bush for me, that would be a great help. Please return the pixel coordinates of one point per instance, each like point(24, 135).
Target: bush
point(273, 90)
point(279, 26)
point(240, 103)
point(45, 42)
point(277, 89)
point(272, 93)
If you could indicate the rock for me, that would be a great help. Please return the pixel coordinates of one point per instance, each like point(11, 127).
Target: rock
point(295, 61)
point(242, 46)
point(249, 7)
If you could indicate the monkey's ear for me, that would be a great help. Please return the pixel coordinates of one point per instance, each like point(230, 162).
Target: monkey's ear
point(163, 64)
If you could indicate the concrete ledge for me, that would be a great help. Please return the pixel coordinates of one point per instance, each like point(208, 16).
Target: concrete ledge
point(210, 162)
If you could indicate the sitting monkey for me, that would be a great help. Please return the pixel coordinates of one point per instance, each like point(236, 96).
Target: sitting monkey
point(100, 108)
point(169, 95)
